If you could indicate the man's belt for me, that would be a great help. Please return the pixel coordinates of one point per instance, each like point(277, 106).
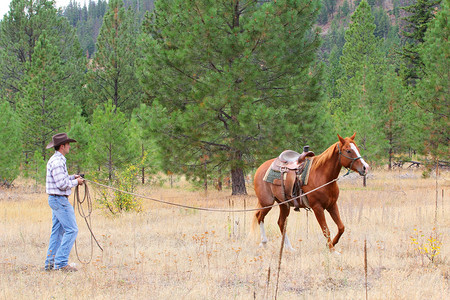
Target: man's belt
point(59, 195)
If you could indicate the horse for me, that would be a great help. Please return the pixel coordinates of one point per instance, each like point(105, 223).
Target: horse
point(325, 168)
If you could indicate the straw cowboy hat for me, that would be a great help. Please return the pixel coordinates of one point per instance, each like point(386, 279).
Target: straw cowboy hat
point(59, 139)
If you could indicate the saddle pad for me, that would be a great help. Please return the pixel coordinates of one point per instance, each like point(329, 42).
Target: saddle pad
point(305, 174)
point(272, 175)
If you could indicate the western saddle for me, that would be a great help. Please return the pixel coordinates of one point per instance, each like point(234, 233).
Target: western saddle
point(292, 163)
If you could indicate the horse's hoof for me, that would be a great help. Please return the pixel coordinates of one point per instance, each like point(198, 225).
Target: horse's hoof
point(296, 209)
point(335, 252)
point(291, 249)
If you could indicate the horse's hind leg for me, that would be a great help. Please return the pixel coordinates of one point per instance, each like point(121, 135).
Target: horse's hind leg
point(260, 215)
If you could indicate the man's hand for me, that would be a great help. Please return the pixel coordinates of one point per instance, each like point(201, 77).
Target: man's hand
point(79, 179)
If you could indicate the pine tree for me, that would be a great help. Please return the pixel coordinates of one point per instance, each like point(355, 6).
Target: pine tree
point(420, 13)
point(46, 101)
point(112, 74)
point(361, 47)
point(111, 144)
point(433, 90)
point(363, 64)
point(233, 83)
point(10, 145)
point(393, 110)
point(20, 30)
point(80, 130)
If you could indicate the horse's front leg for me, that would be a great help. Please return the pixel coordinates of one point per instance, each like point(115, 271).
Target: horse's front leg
point(334, 213)
point(282, 219)
point(320, 216)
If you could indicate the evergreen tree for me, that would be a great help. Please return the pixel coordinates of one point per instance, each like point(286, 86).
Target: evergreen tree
point(394, 111)
point(361, 47)
point(112, 74)
point(363, 64)
point(232, 82)
point(433, 90)
point(334, 73)
point(46, 101)
point(111, 143)
point(420, 13)
point(10, 145)
point(80, 130)
point(20, 30)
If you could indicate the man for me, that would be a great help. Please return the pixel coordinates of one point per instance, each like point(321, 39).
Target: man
point(58, 188)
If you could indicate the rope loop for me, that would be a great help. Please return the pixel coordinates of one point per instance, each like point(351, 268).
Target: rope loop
point(86, 215)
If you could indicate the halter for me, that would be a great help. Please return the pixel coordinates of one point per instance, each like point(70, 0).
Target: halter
point(352, 159)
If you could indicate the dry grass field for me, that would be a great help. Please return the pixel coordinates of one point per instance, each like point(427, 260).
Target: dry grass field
point(166, 252)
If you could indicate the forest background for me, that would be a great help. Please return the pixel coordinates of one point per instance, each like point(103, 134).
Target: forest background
point(210, 89)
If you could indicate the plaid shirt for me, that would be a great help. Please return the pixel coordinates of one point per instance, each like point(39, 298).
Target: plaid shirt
point(58, 180)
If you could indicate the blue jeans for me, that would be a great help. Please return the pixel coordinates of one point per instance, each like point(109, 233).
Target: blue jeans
point(64, 232)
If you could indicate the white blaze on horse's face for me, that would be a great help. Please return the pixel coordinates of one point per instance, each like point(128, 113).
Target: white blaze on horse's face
point(365, 166)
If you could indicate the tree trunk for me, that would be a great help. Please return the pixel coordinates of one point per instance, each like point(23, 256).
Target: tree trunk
point(238, 182)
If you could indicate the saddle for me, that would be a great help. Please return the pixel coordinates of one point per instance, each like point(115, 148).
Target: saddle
point(290, 159)
point(291, 165)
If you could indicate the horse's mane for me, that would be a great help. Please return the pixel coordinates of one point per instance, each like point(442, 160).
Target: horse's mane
point(326, 155)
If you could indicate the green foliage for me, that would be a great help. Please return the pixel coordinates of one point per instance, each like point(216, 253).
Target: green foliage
point(433, 92)
point(393, 113)
point(231, 84)
point(20, 30)
point(420, 13)
point(126, 180)
point(112, 74)
point(80, 130)
point(45, 103)
point(361, 47)
point(10, 145)
point(361, 62)
point(37, 168)
point(111, 144)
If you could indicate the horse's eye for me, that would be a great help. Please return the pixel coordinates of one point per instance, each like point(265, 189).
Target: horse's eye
point(348, 151)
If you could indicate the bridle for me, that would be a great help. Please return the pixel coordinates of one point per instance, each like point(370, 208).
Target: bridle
point(351, 158)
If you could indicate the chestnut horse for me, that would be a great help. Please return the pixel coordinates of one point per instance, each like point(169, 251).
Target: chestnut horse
point(324, 169)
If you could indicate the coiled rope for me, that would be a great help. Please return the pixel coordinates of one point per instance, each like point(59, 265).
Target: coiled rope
point(86, 215)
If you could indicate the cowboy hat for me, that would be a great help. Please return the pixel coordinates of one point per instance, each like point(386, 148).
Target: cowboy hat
point(59, 139)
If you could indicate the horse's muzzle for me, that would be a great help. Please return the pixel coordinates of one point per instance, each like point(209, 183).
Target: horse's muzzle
point(364, 170)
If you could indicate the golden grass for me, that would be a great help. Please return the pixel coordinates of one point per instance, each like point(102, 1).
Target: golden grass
point(167, 252)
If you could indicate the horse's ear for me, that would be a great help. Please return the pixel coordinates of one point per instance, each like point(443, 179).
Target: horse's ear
point(353, 136)
point(341, 139)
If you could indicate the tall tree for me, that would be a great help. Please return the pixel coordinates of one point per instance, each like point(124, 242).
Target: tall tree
point(80, 130)
point(394, 111)
point(46, 101)
point(361, 46)
point(19, 32)
point(232, 81)
point(420, 13)
point(362, 64)
point(433, 90)
point(111, 143)
point(112, 74)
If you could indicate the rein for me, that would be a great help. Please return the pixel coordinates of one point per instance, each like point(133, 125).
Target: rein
point(77, 201)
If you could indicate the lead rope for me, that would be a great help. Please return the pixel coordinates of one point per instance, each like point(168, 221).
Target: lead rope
point(215, 209)
point(86, 216)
